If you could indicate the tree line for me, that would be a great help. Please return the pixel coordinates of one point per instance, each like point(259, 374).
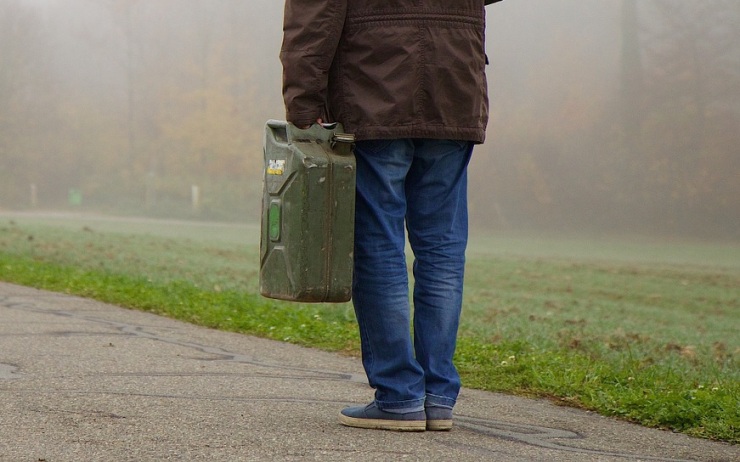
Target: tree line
point(131, 103)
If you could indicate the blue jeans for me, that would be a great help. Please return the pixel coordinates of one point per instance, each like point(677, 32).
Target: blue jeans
point(421, 183)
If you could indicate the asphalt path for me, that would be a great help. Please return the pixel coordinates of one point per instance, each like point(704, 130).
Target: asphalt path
point(85, 381)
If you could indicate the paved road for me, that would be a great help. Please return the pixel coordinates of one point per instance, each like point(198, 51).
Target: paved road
point(85, 381)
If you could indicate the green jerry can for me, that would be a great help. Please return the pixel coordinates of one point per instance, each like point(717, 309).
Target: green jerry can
point(308, 213)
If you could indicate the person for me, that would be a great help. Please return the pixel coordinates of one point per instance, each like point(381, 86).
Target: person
point(407, 78)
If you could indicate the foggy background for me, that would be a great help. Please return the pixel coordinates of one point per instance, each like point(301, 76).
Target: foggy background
point(610, 116)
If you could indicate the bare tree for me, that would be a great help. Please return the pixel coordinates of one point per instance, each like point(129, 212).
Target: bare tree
point(693, 84)
point(632, 75)
point(22, 90)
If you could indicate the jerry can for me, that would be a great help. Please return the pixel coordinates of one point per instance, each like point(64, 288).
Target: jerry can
point(308, 213)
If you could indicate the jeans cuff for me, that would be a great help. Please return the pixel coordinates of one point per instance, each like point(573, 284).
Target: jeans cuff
point(411, 403)
point(439, 401)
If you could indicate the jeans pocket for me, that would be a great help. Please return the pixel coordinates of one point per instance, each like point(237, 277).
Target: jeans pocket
point(463, 144)
point(373, 146)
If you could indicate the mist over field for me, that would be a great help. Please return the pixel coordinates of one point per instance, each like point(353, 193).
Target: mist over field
point(614, 116)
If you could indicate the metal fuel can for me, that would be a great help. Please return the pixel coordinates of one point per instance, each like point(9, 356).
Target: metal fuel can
point(308, 213)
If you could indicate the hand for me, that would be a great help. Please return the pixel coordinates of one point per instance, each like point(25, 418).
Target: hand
point(318, 121)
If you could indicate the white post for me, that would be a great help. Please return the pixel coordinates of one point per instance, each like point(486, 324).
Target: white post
point(34, 195)
point(195, 197)
point(150, 191)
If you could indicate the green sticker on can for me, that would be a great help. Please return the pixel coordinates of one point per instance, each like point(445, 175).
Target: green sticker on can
point(273, 218)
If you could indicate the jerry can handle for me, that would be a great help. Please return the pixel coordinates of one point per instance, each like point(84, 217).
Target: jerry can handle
point(283, 132)
point(343, 138)
point(278, 129)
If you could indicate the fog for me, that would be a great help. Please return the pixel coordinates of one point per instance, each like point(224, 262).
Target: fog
point(614, 116)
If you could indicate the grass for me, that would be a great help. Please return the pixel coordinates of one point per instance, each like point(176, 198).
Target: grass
point(642, 330)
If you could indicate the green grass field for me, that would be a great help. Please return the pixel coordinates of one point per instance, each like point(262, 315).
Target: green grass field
point(642, 329)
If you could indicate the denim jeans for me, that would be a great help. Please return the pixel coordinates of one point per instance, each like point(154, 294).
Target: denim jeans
point(422, 184)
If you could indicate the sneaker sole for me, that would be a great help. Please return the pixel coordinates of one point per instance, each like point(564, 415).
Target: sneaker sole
point(382, 424)
point(439, 425)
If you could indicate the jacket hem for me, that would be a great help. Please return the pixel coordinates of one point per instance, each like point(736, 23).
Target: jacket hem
point(476, 135)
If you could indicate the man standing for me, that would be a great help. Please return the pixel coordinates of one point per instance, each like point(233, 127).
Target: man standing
point(407, 78)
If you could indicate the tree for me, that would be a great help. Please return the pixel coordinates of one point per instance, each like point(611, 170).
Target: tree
point(692, 90)
point(22, 96)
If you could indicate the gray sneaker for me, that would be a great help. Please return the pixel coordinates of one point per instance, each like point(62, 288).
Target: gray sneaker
point(371, 417)
point(438, 418)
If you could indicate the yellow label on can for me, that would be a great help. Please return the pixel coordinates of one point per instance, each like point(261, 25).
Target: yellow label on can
point(275, 167)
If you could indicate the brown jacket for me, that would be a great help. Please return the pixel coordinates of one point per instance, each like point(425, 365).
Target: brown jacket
point(400, 69)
